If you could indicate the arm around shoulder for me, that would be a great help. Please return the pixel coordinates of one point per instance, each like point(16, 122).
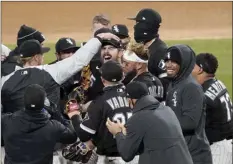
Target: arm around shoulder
point(63, 70)
point(128, 145)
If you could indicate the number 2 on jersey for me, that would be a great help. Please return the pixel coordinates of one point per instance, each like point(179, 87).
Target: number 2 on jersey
point(121, 117)
point(226, 100)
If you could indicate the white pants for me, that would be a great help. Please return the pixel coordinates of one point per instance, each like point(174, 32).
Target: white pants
point(222, 152)
point(115, 160)
point(2, 155)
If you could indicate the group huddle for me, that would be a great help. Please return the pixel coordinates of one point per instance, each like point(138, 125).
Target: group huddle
point(113, 99)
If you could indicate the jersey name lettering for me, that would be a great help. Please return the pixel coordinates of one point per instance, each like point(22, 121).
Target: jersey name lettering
point(213, 91)
point(156, 91)
point(118, 102)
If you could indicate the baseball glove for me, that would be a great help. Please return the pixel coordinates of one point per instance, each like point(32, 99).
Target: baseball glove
point(80, 93)
point(78, 152)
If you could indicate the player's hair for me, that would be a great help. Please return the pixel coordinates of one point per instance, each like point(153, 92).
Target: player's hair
point(102, 19)
point(139, 49)
point(211, 61)
point(25, 60)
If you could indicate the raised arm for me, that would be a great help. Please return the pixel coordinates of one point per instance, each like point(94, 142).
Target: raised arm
point(63, 70)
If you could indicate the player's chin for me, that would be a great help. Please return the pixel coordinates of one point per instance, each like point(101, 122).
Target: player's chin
point(170, 74)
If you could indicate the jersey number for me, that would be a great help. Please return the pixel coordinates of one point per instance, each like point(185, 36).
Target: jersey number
point(226, 100)
point(121, 117)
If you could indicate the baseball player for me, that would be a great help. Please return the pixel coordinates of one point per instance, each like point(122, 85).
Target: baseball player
point(48, 76)
point(135, 59)
point(186, 98)
point(32, 131)
point(153, 131)
point(110, 50)
point(111, 104)
point(100, 21)
point(122, 32)
point(13, 60)
point(66, 47)
point(219, 122)
point(146, 28)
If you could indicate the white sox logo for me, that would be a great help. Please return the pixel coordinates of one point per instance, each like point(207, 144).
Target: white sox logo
point(169, 55)
point(161, 65)
point(115, 28)
point(69, 41)
point(92, 80)
point(174, 98)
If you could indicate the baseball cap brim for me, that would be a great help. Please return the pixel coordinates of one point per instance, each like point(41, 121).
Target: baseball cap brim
point(110, 42)
point(71, 47)
point(45, 50)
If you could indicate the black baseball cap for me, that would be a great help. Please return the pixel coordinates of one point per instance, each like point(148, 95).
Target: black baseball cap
point(136, 90)
point(112, 42)
point(111, 71)
point(34, 97)
point(120, 30)
point(32, 47)
point(27, 33)
point(173, 54)
point(148, 15)
point(102, 30)
point(64, 44)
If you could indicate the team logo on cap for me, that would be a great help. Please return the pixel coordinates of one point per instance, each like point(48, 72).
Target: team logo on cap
point(115, 28)
point(69, 41)
point(169, 55)
point(43, 36)
point(162, 65)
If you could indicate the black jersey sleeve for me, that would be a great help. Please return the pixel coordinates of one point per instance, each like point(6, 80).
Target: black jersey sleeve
point(93, 118)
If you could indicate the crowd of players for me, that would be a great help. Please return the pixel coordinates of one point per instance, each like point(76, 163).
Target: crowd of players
point(113, 100)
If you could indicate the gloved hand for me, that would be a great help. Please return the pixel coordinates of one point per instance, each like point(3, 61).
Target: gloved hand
point(78, 152)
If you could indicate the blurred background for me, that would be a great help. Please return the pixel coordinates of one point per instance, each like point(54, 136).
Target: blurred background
point(181, 20)
point(205, 26)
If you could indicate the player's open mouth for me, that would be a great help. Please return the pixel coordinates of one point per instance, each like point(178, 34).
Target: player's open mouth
point(107, 57)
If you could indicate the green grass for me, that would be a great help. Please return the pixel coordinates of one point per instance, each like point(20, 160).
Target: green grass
point(221, 48)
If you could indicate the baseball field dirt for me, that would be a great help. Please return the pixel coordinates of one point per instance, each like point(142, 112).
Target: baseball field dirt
point(181, 20)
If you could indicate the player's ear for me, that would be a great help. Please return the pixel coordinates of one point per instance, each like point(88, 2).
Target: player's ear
point(200, 71)
point(57, 55)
